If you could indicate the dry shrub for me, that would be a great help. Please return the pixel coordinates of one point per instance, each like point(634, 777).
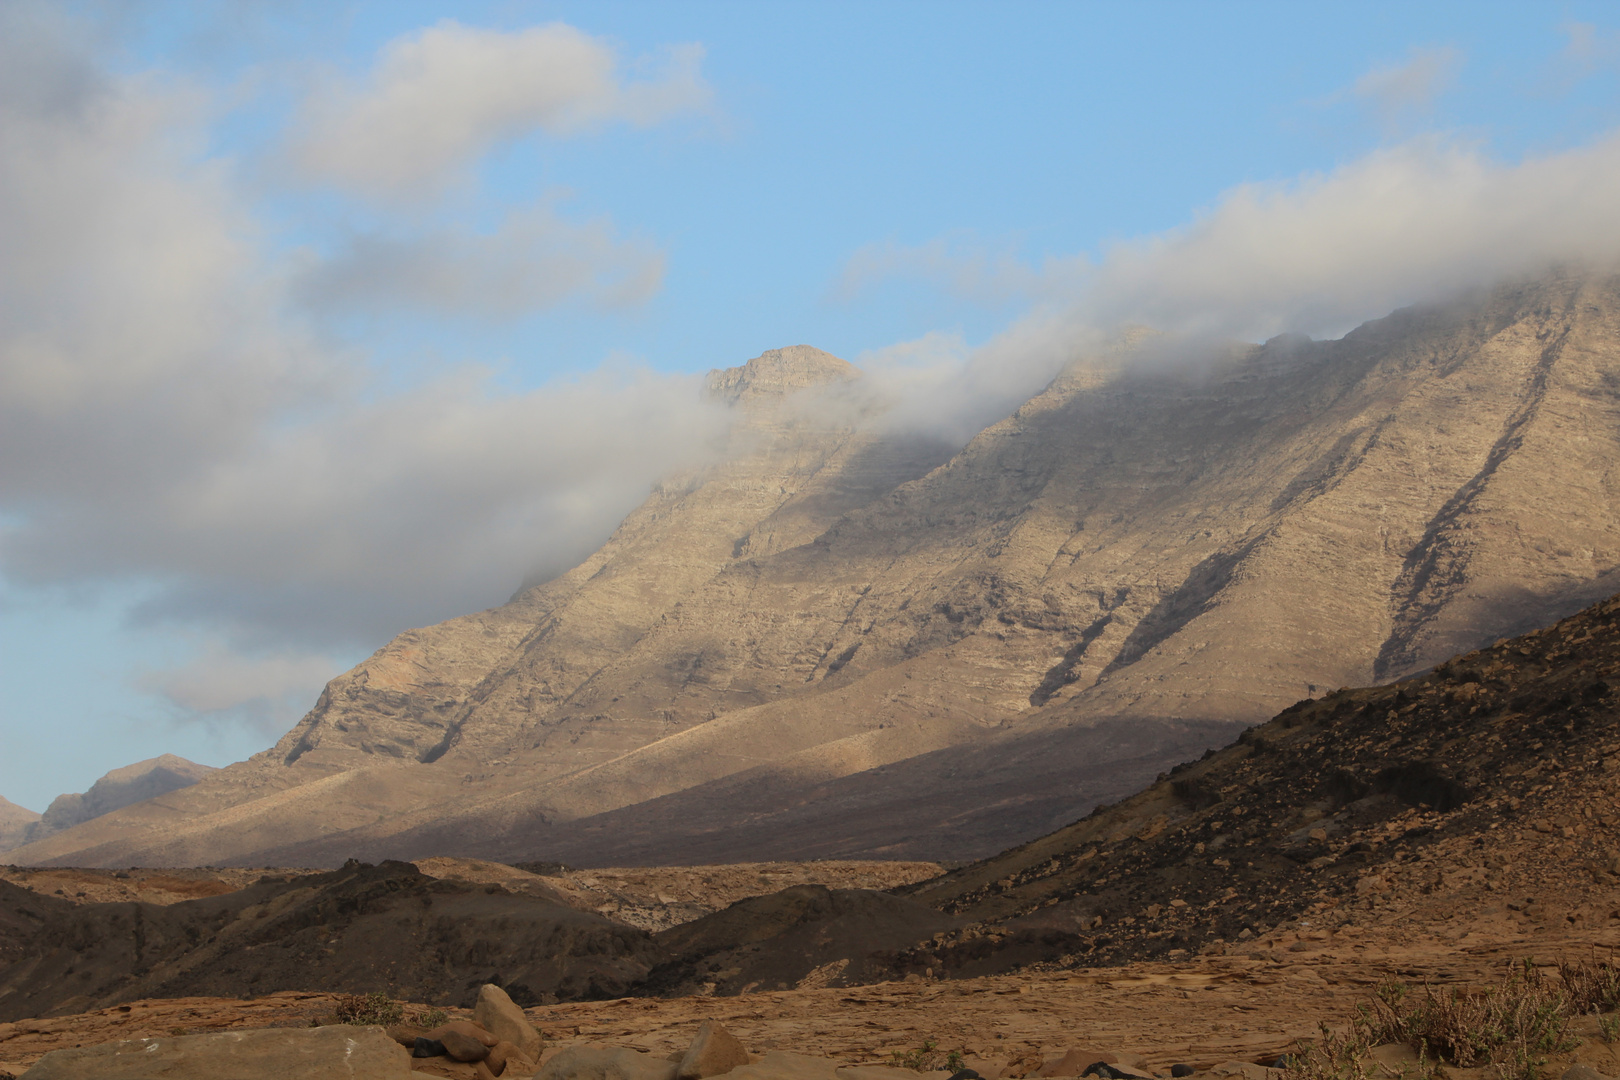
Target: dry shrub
point(375, 1009)
point(1593, 985)
point(1514, 1025)
point(1333, 1057)
point(926, 1058)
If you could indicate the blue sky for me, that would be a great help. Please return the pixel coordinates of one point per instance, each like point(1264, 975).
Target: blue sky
point(321, 322)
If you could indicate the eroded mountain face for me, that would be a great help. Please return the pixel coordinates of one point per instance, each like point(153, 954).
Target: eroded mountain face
point(855, 627)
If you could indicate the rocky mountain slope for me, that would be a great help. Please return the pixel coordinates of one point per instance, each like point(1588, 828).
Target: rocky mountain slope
point(844, 641)
point(114, 791)
point(1472, 797)
point(14, 822)
point(1468, 809)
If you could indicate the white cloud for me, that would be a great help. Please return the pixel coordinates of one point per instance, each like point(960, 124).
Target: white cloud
point(534, 260)
point(166, 417)
point(1412, 86)
point(1587, 49)
point(959, 265)
point(1321, 253)
point(268, 693)
point(436, 101)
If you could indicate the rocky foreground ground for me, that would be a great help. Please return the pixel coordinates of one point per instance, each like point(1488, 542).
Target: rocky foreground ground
point(1200, 1011)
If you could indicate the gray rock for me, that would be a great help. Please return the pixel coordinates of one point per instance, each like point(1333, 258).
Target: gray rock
point(353, 1053)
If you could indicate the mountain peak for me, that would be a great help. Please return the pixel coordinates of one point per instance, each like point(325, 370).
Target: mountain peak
point(779, 372)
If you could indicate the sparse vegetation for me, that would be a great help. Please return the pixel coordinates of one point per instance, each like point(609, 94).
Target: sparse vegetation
point(1514, 1026)
point(926, 1058)
point(368, 1009)
point(429, 1018)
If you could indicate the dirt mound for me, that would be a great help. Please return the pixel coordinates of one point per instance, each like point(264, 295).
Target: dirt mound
point(804, 936)
point(361, 929)
point(1479, 791)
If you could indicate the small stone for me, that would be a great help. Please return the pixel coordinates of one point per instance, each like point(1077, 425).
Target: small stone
point(1319, 835)
point(714, 1051)
point(1178, 903)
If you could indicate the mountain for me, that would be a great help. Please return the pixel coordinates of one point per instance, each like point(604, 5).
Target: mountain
point(848, 640)
point(1472, 804)
point(14, 823)
point(1444, 800)
point(116, 790)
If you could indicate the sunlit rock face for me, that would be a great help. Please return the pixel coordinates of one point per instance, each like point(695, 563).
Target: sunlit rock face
point(840, 640)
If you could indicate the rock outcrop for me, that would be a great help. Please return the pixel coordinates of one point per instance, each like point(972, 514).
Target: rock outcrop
point(847, 642)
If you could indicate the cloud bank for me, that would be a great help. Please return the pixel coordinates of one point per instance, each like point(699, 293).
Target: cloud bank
point(534, 260)
point(438, 100)
point(169, 416)
point(1319, 254)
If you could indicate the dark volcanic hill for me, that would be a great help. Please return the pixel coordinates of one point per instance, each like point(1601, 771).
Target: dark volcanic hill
point(360, 929)
point(1483, 785)
point(848, 641)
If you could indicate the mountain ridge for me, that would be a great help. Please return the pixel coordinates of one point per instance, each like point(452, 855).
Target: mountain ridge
point(1137, 545)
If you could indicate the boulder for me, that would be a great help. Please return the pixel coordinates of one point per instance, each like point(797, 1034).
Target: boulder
point(781, 1065)
point(504, 1056)
point(461, 1046)
point(606, 1063)
point(714, 1051)
point(500, 1014)
point(467, 1028)
point(360, 1053)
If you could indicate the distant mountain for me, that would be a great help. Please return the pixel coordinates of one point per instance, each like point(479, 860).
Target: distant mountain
point(14, 822)
point(116, 790)
point(845, 641)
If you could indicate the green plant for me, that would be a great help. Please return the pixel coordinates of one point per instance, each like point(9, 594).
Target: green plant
point(428, 1018)
point(1609, 1028)
point(926, 1058)
point(376, 1009)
